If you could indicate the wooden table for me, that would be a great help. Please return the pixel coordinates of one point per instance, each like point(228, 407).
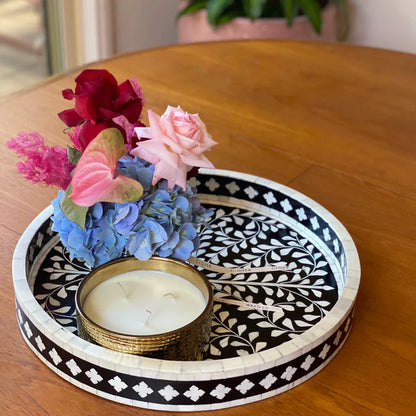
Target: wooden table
point(333, 121)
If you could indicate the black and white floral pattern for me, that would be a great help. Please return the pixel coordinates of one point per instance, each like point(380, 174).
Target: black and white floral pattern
point(259, 310)
point(253, 311)
point(278, 268)
point(56, 285)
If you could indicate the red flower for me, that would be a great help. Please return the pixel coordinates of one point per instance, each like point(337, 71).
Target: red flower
point(98, 100)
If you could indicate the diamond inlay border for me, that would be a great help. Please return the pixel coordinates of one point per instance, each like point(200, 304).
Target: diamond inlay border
point(181, 393)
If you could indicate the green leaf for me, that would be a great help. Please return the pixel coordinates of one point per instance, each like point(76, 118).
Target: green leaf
point(312, 10)
point(227, 17)
point(215, 9)
point(253, 8)
point(73, 155)
point(71, 210)
point(290, 7)
point(193, 7)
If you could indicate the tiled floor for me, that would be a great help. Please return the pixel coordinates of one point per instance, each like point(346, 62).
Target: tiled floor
point(20, 26)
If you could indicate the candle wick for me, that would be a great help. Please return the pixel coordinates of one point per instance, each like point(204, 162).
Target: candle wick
point(124, 290)
point(173, 297)
point(148, 316)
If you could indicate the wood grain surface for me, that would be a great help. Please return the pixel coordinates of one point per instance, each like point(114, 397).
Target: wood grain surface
point(336, 123)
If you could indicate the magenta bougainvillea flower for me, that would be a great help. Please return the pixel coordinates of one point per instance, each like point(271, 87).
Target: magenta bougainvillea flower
point(177, 142)
point(98, 101)
point(43, 164)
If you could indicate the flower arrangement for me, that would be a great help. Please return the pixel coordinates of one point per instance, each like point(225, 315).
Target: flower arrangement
point(123, 184)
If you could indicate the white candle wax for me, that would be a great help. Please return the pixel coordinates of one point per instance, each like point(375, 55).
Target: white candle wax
point(144, 302)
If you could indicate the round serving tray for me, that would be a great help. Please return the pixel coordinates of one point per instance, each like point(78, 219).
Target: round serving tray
point(285, 274)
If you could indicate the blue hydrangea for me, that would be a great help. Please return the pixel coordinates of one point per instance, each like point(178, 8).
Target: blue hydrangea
point(188, 242)
point(163, 222)
point(146, 238)
point(137, 169)
point(126, 216)
point(98, 243)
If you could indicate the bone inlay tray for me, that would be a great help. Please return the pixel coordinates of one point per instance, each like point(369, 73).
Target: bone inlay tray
point(285, 274)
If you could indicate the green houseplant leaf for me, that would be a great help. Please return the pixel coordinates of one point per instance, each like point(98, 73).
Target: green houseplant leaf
point(254, 8)
point(312, 10)
point(290, 7)
point(193, 7)
point(216, 8)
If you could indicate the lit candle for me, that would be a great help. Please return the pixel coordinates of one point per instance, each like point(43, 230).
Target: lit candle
point(144, 302)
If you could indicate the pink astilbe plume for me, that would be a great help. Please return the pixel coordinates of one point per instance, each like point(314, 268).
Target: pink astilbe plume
point(44, 164)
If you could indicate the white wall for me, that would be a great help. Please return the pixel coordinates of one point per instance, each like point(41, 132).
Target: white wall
point(98, 28)
point(388, 24)
point(142, 24)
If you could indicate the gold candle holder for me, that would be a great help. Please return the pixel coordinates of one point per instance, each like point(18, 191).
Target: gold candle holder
point(189, 342)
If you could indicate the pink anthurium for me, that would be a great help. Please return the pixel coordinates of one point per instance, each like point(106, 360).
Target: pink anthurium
point(96, 178)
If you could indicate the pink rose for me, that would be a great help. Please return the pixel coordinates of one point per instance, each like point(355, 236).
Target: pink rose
point(177, 142)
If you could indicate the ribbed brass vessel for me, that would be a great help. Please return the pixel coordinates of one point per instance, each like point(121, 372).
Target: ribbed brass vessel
point(189, 342)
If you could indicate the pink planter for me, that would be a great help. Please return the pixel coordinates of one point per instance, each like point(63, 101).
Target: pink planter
point(195, 28)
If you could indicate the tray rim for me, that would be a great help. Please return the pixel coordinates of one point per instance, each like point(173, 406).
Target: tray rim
point(197, 370)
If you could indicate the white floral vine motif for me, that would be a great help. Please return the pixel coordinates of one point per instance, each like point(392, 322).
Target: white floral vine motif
point(49, 301)
point(241, 233)
point(236, 232)
point(292, 299)
point(243, 338)
point(299, 311)
point(224, 335)
point(70, 269)
point(56, 294)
